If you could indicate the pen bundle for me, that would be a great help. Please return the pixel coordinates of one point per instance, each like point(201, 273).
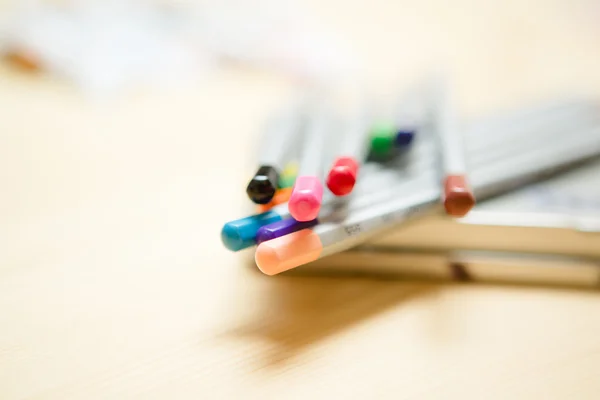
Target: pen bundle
point(359, 180)
point(545, 233)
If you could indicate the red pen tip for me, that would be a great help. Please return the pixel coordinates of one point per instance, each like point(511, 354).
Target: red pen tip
point(342, 176)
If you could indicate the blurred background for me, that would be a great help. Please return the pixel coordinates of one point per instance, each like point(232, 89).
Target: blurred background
point(127, 136)
point(113, 95)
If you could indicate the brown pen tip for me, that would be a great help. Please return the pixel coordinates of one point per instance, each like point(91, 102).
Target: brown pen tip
point(458, 198)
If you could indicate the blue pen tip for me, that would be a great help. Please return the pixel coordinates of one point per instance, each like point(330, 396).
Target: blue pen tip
point(231, 238)
point(404, 137)
point(240, 234)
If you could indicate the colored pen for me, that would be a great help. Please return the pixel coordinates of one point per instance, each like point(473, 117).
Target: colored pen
point(301, 247)
point(530, 133)
point(458, 197)
point(287, 178)
point(409, 115)
point(487, 178)
point(373, 188)
point(387, 138)
point(383, 140)
point(283, 133)
point(392, 185)
point(529, 118)
point(290, 251)
point(281, 196)
point(307, 195)
point(241, 233)
point(533, 165)
point(352, 154)
point(398, 131)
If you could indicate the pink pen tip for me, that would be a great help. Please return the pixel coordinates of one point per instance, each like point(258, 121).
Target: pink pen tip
point(342, 176)
point(288, 252)
point(458, 197)
point(305, 201)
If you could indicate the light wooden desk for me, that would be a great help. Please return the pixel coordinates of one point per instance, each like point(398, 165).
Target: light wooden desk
point(114, 284)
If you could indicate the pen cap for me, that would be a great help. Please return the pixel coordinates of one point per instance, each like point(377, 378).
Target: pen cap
point(275, 256)
point(263, 185)
point(281, 196)
point(382, 139)
point(282, 228)
point(306, 198)
point(240, 234)
point(458, 198)
point(404, 137)
point(342, 177)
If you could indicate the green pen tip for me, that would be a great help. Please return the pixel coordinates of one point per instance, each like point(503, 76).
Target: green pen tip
point(382, 139)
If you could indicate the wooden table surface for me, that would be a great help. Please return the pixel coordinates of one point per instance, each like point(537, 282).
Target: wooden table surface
point(114, 283)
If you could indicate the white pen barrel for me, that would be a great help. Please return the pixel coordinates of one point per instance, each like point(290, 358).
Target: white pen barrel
point(311, 161)
point(369, 215)
point(359, 226)
point(527, 132)
point(393, 186)
point(525, 167)
point(337, 237)
point(353, 230)
point(355, 142)
point(446, 125)
point(283, 133)
point(571, 130)
point(477, 138)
